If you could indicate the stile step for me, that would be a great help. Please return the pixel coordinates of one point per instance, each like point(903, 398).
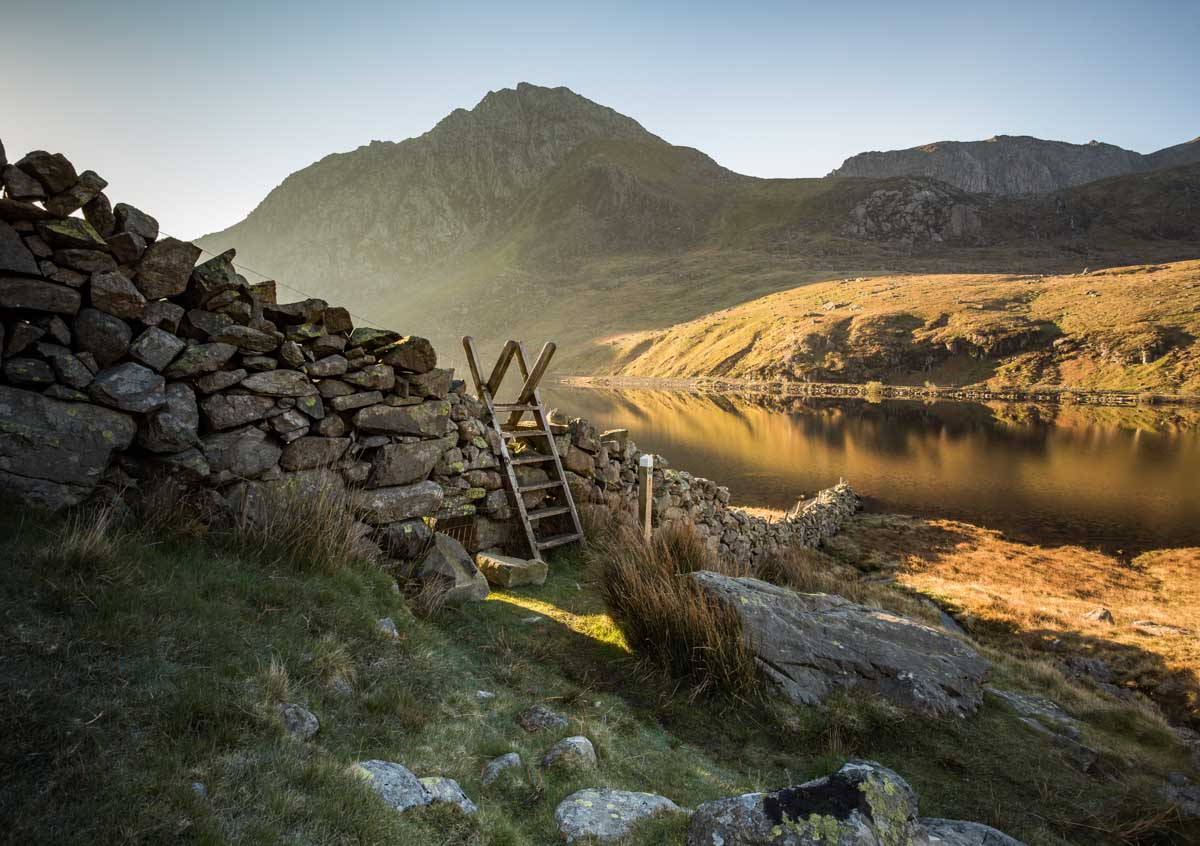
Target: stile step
point(530, 458)
point(549, 511)
point(541, 486)
point(558, 540)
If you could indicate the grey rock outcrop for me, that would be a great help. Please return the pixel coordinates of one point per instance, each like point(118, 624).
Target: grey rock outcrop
point(862, 804)
point(1005, 164)
point(961, 833)
point(809, 645)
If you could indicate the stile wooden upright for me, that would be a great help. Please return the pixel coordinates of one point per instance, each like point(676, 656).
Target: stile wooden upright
point(528, 442)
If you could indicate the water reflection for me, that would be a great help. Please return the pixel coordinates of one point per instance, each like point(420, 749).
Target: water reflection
point(1103, 477)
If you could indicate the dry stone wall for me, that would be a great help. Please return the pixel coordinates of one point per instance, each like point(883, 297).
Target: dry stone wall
point(122, 358)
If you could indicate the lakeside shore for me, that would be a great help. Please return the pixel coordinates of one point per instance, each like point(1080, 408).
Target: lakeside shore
point(1037, 394)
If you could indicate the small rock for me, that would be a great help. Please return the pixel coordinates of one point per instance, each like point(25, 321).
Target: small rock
point(156, 348)
point(493, 768)
point(1099, 615)
point(387, 627)
point(299, 722)
point(104, 336)
point(573, 751)
point(606, 815)
point(450, 564)
point(484, 695)
point(447, 790)
point(538, 717)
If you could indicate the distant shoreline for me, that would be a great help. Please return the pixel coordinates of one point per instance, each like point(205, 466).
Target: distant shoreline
point(1052, 395)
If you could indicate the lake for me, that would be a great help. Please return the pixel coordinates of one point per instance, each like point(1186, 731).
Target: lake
point(1111, 478)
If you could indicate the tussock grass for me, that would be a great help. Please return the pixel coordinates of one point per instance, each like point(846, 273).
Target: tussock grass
point(306, 527)
point(87, 543)
point(665, 617)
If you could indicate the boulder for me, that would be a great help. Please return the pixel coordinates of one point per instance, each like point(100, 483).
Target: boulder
point(176, 426)
point(156, 348)
point(299, 722)
point(349, 402)
point(406, 540)
point(601, 816)
point(241, 453)
point(20, 186)
point(434, 384)
point(394, 784)
point(129, 387)
point(131, 219)
point(99, 213)
point(280, 383)
point(429, 418)
point(448, 790)
point(508, 572)
point(292, 314)
point(493, 769)
point(809, 645)
point(960, 833)
point(126, 247)
point(36, 295)
point(330, 365)
point(575, 752)
point(389, 505)
point(309, 452)
point(104, 336)
point(451, 565)
point(337, 320)
point(213, 277)
point(402, 464)
point(372, 339)
point(71, 371)
point(52, 453)
point(210, 383)
point(862, 804)
point(111, 292)
point(411, 354)
point(164, 268)
point(51, 170)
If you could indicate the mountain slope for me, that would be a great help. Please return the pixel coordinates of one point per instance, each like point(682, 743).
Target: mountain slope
point(1131, 328)
point(542, 215)
point(1014, 164)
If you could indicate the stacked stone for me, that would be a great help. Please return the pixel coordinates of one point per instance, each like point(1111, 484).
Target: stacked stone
point(113, 340)
point(602, 468)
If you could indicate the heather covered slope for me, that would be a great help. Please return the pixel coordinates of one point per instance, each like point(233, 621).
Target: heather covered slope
point(540, 214)
point(1131, 328)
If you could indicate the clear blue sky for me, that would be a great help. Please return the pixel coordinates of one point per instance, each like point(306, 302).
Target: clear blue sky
point(194, 111)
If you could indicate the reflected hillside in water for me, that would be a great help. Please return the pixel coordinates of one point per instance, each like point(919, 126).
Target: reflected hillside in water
point(1101, 477)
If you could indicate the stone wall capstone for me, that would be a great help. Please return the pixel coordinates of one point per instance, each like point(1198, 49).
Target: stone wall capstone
point(122, 358)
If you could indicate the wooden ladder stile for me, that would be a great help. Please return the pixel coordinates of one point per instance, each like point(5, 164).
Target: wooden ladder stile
point(529, 401)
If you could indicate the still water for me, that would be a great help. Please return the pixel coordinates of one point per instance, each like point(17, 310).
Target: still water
point(1112, 478)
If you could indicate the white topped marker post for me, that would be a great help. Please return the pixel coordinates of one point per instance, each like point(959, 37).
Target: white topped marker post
point(645, 492)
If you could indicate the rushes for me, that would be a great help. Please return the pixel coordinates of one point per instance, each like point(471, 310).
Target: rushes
point(310, 527)
point(665, 617)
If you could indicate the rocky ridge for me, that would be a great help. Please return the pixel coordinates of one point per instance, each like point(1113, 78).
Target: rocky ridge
point(1013, 164)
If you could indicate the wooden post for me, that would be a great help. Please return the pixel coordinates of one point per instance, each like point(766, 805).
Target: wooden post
point(646, 493)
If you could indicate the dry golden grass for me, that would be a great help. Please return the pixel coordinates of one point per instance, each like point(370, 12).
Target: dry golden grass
point(852, 329)
point(309, 527)
point(1039, 597)
point(665, 617)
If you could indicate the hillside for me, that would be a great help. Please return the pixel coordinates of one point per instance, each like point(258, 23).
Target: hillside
point(1014, 164)
point(1128, 327)
point(538, 206)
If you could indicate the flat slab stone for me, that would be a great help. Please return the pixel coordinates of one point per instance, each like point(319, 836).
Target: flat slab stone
point(961, 833)
point(507, 571)
point(811, 644)
point(607, 815)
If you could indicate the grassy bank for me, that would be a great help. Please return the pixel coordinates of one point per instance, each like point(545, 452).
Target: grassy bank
point(140, 664)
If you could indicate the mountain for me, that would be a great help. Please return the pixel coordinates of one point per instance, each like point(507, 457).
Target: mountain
point(1014, 164)
point(539, 214)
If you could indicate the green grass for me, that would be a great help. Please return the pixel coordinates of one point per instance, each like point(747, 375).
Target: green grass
point(127, 676)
